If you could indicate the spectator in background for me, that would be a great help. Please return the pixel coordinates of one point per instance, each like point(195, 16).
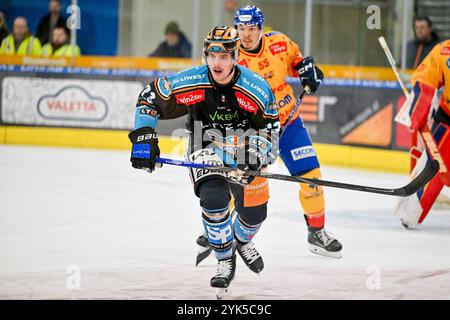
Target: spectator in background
point(48, 22)
point(3, 28)
point(60, 45)
point(176, 44)
point(21, 41)
point(425, 40)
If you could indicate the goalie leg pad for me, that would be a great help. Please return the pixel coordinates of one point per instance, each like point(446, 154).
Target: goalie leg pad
point(441, 134)
point(428, 195)
point(413, 210)
point(312, 200)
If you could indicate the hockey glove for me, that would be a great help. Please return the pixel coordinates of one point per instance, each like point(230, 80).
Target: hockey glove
point(145, 148)
point(310, 75)
point(252, 157)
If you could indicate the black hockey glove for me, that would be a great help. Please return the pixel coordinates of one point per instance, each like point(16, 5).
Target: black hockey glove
point(145, 148)
point(310, 75)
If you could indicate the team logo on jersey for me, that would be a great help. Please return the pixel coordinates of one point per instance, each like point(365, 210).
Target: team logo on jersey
point(245, 103)
point(303, 152)
point(166, 84)
point(191, 97)
point(448, 63)
point(445, 51)
point(278, 47)
point(149, 111)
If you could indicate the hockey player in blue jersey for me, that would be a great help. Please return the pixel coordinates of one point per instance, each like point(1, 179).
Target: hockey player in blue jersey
point(232, 121)
point(274, 56)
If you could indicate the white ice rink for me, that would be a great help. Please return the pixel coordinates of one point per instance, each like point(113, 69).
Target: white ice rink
point(80, 223)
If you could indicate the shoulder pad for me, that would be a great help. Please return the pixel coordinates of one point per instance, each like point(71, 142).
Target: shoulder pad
point(185, 78)
point(255, 85)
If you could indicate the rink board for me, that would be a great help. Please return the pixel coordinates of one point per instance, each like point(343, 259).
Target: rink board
point(335, 155)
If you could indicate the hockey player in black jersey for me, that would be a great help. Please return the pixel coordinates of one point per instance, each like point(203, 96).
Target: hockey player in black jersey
point(232, 121)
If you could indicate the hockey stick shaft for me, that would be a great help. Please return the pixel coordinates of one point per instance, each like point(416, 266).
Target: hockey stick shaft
point(425, 132)
point(297, 105)
point(391, 60)
point(426, 175)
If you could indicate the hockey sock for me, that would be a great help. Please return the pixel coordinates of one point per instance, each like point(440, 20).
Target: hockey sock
point(243, 232)
point(220, 234)
point(312, 200)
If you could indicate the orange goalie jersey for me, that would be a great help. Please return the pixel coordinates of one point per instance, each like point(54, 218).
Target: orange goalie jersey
point(274, 61)
point(434, 71)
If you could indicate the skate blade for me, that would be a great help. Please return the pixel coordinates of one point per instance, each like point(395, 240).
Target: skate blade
point(202, 255)
point(321, 251)
point(220, 292)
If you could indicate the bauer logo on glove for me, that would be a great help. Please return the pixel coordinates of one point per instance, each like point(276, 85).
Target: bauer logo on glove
point(145, 148)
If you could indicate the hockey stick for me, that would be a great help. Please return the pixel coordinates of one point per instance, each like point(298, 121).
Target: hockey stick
point(426, 175)
point(297, 104)
point(425, 132)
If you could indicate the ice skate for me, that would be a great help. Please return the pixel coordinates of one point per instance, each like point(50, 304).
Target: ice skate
point(323, 243)
point(250, 256)
point(224, 275)
point(204, 249)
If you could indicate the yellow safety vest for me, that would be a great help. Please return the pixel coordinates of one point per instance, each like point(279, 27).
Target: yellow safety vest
point(64, 51)
point(29, 46)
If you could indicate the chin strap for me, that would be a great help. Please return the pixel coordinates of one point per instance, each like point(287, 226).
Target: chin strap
point(231, 71)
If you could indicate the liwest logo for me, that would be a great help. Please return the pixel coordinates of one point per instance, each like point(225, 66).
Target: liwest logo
point(302, 152)
point(72, 103)
point(191, 97)
point(278, 47)
point(245, 103)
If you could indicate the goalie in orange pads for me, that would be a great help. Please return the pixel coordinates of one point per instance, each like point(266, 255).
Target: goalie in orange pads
point(432, 74)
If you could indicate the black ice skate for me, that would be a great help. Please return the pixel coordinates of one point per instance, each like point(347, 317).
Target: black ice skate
point(204, 249)
point(224, 275)
point(323, 243)
point(250, 256)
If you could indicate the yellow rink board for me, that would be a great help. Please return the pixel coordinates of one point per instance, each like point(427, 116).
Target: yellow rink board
point(334, 155)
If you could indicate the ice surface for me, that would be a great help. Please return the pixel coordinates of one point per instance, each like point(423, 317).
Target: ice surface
point(132, 236)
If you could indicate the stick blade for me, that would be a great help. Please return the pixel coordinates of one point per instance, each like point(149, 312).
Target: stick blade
point(422, 179)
